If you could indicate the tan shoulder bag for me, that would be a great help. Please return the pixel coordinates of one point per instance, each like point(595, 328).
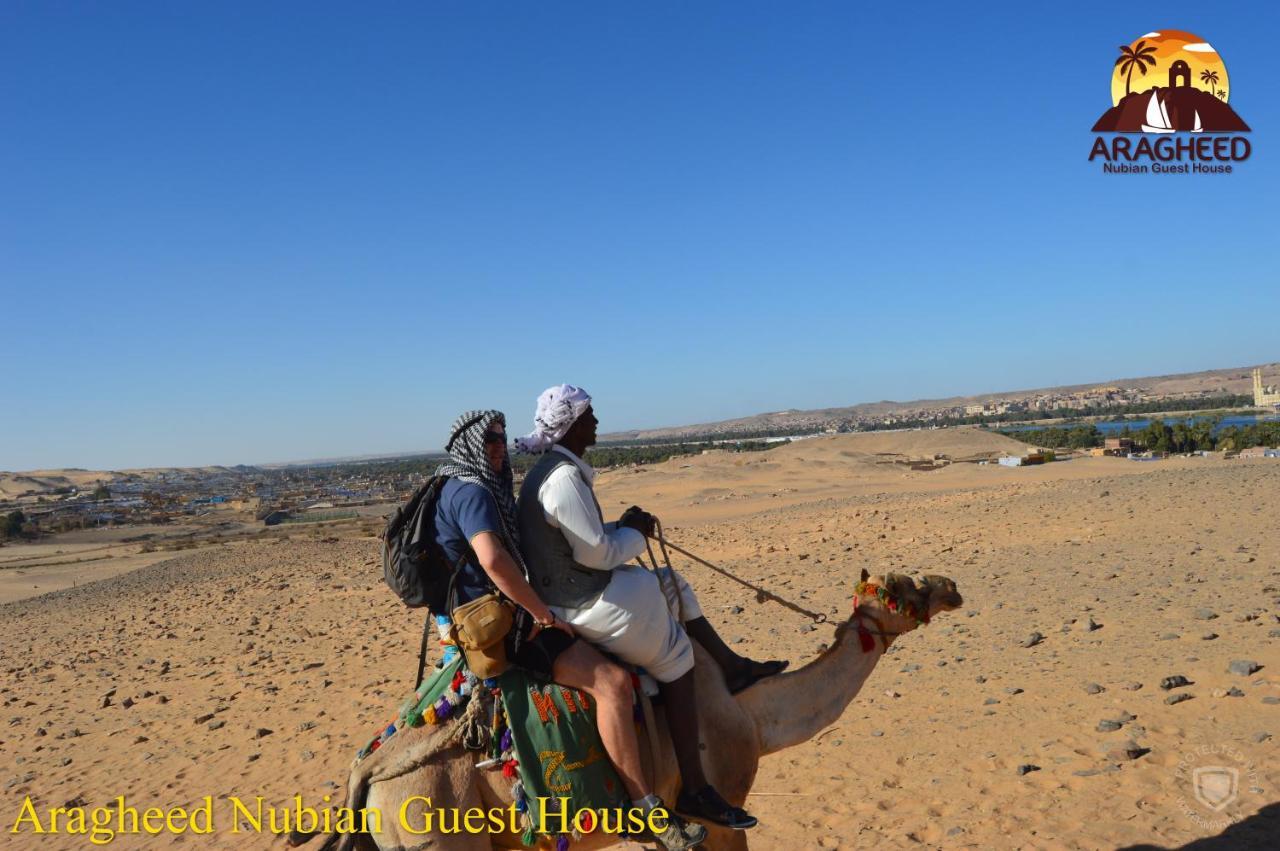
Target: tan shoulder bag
point(480, 629)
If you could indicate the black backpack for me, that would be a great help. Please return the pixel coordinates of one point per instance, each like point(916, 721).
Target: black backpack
point(413, 563)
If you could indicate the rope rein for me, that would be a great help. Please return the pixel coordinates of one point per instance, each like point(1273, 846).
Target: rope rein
point(866, 636)
point(762, 594)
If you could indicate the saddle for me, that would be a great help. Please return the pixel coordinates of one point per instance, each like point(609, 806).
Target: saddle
point(541, 735)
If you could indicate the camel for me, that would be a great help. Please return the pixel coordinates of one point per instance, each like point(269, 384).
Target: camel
point(736, 731)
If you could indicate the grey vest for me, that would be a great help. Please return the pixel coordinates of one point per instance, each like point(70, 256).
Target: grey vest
point(553, 573)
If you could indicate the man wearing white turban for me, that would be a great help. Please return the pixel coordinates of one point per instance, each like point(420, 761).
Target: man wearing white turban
point(559, 408)
point(578, 564)
point(477, 529)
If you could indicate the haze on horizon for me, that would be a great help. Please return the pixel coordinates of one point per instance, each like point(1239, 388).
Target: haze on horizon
point(244, 234)
point(604, 434)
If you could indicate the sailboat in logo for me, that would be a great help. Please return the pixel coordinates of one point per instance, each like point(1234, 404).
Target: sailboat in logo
point(1169, 102)
point(1158, 117)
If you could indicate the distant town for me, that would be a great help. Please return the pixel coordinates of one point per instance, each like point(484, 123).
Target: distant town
point(33, 504)
point(232, 494)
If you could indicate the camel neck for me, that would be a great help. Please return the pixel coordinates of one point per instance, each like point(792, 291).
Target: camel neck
point(793, 707)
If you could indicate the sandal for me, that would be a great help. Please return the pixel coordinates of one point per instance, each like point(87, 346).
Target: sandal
point(752, 673)
point(707, 805)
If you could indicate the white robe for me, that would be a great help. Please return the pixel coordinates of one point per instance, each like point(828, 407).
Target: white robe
point(633, 618)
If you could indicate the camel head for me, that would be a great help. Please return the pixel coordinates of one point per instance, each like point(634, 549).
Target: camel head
point(901, 604)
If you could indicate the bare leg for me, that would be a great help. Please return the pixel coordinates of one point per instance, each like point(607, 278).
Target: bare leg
point(682, 719)
point(582, 667)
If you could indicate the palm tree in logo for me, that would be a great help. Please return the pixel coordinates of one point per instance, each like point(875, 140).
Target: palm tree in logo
point(1222, 95)
point(1138, 56)
point(1210, 77)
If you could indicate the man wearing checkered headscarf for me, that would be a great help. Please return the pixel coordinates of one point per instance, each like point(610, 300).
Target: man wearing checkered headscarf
point(476, 518)
point(469, 461)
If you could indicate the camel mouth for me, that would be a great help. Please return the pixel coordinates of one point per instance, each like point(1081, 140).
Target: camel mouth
point(940, 591)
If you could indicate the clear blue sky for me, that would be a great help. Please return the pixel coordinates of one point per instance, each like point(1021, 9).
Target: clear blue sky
point(251, 232)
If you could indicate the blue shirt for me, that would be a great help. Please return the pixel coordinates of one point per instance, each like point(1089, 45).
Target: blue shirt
point(465, 510)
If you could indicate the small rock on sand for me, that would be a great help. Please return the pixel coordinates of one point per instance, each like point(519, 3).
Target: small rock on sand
point(1126, 751)
point(1094, 688)
point(1032, 640)
point(1177, 698)
point(1243, 667)
point(1176, 681)
point(1027, 768)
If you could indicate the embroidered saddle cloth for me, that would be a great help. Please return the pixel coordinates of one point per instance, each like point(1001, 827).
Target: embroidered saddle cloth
point(561, 762)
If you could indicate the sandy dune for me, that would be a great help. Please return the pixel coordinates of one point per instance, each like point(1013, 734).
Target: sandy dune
point(46, 481)
point(257, 668)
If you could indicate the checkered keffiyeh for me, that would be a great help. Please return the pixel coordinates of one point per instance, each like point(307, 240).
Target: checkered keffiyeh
point(470, 463)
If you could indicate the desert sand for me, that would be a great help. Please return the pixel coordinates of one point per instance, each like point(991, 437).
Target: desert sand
point(259, 667)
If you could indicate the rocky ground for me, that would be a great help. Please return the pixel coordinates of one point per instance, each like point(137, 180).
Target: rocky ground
point(1047, 713)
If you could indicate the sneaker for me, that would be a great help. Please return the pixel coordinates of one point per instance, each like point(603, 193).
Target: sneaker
point(707, 805)
point(679, 835)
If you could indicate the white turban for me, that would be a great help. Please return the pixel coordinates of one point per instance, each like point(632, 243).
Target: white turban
point(558, 409)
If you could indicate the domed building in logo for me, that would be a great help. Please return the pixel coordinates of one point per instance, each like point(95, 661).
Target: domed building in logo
point(1169, 81)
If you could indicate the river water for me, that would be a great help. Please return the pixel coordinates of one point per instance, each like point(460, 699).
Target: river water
point(1117, 426)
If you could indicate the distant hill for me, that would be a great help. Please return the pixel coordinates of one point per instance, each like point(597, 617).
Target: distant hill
point(47, 481)
point(1236, 380)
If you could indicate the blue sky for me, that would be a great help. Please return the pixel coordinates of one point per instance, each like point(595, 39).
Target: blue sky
point(247, 232)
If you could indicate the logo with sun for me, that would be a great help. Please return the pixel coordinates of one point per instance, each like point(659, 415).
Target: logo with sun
point(1169, 81)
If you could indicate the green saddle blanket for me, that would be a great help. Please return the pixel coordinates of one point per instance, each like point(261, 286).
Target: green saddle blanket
point(545, 737)
point(562, 766)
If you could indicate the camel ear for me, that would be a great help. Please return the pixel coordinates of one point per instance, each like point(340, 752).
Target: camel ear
point(865, 575)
